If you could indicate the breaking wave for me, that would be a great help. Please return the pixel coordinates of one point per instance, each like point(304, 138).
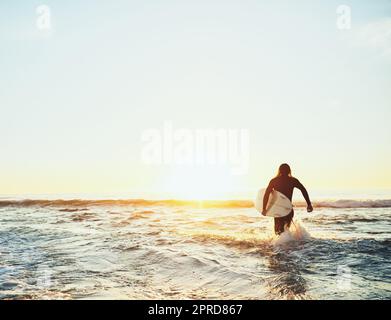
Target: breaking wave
point(382, 203)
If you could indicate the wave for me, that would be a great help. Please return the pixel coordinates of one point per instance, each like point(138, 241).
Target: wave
point(382, 203)
point(126, 202)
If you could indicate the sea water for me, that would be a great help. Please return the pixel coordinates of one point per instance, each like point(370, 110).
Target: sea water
point(136, 249)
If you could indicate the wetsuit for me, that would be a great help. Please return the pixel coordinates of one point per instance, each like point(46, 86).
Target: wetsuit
point(285, 185)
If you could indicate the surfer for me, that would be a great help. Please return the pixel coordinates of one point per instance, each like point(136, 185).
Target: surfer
point(285, 183)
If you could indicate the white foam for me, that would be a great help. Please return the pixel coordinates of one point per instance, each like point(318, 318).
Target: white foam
point(296, 232)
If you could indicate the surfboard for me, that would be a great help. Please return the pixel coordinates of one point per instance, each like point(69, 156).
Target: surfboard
point(278, 205)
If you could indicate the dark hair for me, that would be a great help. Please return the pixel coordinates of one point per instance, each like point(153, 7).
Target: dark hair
point(284, 170)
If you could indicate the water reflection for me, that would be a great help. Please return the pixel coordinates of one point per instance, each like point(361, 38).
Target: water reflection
point(287, 281)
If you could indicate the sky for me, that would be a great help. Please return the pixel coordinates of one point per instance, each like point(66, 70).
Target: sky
point(76, 99)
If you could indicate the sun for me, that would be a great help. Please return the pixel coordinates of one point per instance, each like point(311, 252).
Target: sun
point(198, 183)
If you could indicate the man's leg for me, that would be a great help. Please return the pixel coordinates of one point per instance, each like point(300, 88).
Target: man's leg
point(288, 220)
point(281, 223)
point(278, 225)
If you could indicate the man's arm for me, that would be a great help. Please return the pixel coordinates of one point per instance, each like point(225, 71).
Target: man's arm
point(305, 195)
point(268, 190)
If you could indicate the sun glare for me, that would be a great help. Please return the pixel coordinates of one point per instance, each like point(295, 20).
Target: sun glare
point(198, 183)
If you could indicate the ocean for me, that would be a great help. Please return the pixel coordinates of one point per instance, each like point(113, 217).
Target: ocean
point(138, 249)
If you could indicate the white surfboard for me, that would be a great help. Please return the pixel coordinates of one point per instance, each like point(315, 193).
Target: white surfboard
point(278, 205)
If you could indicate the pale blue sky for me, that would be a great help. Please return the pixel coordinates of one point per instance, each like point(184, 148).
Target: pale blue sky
point(75, 103)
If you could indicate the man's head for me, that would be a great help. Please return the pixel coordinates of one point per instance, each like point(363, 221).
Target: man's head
point(284, 170)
